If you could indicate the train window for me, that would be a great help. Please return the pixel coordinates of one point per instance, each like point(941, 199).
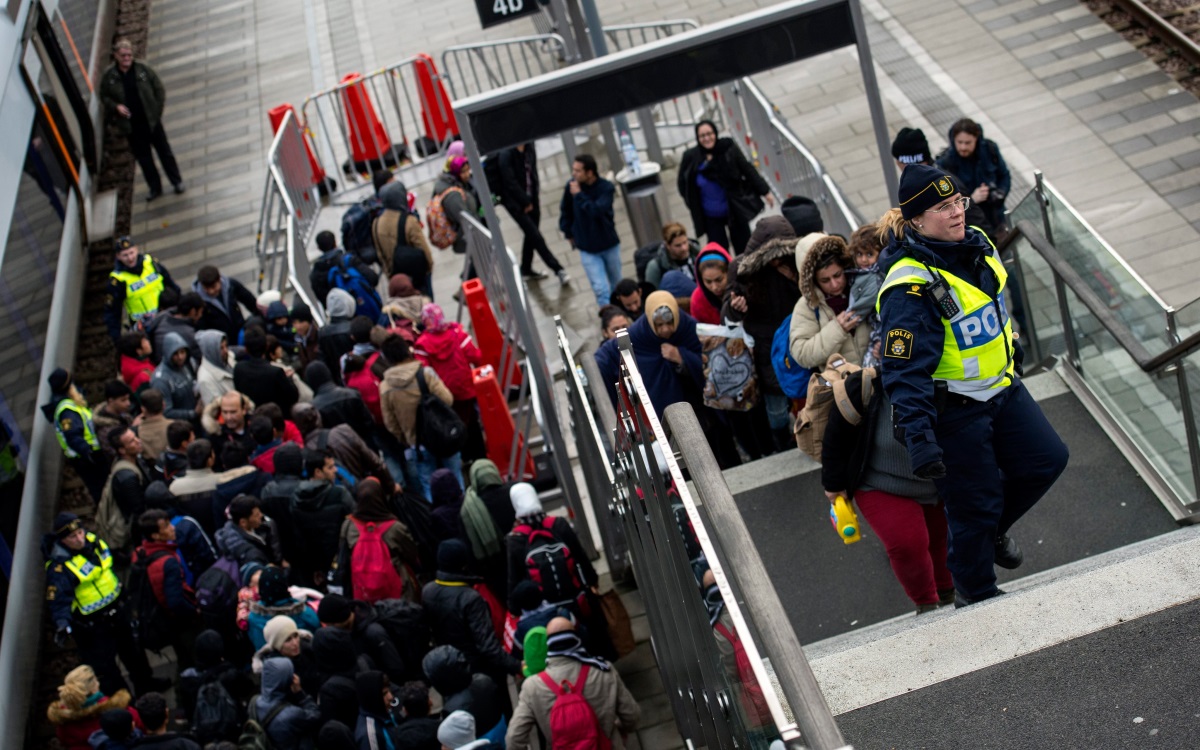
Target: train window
point(74, 25)
point(49, 75)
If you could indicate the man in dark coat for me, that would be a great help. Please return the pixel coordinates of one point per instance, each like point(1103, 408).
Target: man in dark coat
point(519, 191)
point(261, 381)
point(370, 638)
point(334, 339)
point(318, 508)
point(224, 299)
point(338, 404)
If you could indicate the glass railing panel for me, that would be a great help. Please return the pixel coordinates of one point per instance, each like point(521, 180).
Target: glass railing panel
point(1108, 275)
point(1146, 406)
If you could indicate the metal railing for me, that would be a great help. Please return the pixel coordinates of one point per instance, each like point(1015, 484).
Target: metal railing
point(1130, 357)
point(288, 217)
point(523, 357)
point(592, 423)
point(396, 118)
point(787, 165)
point(679, 534)
point(471, 69)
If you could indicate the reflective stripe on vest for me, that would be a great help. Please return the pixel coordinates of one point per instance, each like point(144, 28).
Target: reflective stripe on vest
point(98, 585)
point(89, 429)
point(141, 290)
point(977, 351)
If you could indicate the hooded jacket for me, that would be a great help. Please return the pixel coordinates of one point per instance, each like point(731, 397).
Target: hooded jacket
point(222, 312)
point(296, 725)
point(214, 376)
point(456, 204)
point(815, 333)
point(702, 307)
point(73, 726)
point(449, 672)
point(666, 382)
point(451, 353)
point(770, 298)
point(339, 404)
point(400, 394)
point(166, 322)
point(334, 339)
point(318, 508)
point(177, 385)
point(387, 231)
point(351, 452)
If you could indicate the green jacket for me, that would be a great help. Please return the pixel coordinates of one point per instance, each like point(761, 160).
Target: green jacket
point(150, 89)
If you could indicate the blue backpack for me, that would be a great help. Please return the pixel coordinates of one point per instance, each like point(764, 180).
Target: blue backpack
point(793, 378)
point(346, 277)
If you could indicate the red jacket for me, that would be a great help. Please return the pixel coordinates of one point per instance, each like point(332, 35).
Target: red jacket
point(291, 433)
point(367, 384)
point(451, 353)
point(701, 309)
point(135, 372)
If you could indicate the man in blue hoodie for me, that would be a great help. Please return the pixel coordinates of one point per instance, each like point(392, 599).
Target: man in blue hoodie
point(587, 222)
point(288, 714)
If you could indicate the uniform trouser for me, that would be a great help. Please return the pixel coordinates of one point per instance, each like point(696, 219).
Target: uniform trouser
point(535, 241)
point(140, 144)
point(1001, 457)
point(104, 637)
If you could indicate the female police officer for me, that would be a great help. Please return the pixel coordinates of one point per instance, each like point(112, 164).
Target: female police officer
point(949, 367)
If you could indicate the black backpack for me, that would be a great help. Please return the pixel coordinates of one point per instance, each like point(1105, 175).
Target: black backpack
point(151, 624)
point(356, 228)
point(550, 563)
point(439, 429)
point(491, 171)
point(414, 512)
point(642, 257)
point(215, 717)
point(217, 593)
point(407, 629)
point(409, 260)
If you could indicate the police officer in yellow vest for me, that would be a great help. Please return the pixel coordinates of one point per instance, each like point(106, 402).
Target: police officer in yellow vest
point(85, 601)
point(951, 370)
point(67, 410)
point(133, 287)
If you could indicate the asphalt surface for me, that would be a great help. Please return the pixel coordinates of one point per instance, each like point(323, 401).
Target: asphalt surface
point(1135, 685)
point(830, 588)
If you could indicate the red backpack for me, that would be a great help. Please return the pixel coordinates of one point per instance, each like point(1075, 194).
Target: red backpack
point(372, 573)
point(573, 722)
point(367, 385)
point(550, 563)
point(753, 700)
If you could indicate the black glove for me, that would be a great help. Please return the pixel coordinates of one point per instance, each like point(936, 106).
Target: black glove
point(61, 635)
point(931, 470)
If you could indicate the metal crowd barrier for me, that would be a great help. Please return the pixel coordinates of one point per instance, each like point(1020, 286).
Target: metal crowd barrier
point(789, 167)
point(715, 702)
point(471, 69)
point(524, 354)
point(407, 101)
point(288, 217)
point(592, 424)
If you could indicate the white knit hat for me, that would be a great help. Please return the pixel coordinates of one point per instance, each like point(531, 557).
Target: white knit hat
point(456, 730)
point(524, 499)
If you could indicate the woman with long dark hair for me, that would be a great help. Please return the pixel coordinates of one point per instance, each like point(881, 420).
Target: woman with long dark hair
point(721, 188)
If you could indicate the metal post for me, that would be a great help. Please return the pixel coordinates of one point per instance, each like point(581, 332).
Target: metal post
point(871, 88)
point(1060, 287)
point(620, 123)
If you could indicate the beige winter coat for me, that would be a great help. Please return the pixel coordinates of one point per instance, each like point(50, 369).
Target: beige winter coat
point(815, 333)
point(615, 707)
point(399, 395)
point(387, 236)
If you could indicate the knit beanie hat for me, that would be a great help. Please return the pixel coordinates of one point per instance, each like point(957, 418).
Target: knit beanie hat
point(264, 300)
point(59, 380)
point(456, 730)
point(453, 556)
point(910, 147)
point(334, 610)
point(922, 187)
point(802, 213)
point(273, 586)
point(277, 630)
point(524, 499)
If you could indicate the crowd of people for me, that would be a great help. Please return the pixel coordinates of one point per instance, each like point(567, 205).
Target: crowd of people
point(937, 442)
point(306, 516)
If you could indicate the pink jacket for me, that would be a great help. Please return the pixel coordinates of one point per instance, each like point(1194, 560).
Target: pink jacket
point(451, 353)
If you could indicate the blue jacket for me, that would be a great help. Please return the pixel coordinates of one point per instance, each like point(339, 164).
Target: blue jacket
point(985, 167)
point(587, 217)
point(665, 382)
point(195, 546)
point(909, 382)
point(295, 727)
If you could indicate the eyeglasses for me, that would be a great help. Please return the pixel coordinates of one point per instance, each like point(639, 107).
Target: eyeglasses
point(963, 203)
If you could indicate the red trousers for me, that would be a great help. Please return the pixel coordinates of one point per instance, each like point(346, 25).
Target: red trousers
point(914, 536)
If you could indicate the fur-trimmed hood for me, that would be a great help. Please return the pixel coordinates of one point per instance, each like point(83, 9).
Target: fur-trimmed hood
point(805, 268)
point(60, 713)
point(760, 259)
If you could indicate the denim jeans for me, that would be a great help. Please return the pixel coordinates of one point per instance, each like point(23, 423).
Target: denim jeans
point(603, 270)
point(777, 411)
point(422, 464)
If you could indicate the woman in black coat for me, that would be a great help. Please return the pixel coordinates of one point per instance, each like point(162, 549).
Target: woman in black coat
point(721, 188)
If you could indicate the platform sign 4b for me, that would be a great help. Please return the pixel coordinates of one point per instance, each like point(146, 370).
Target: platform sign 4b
point(493, 12)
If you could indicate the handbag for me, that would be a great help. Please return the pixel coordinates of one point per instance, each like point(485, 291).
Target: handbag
point(620, 630)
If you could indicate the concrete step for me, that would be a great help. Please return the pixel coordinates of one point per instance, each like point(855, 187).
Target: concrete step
point(895, 657)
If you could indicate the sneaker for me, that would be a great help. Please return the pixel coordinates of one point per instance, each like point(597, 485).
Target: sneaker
point(1008, 554)
point(180, 188)
point(533, 275)
point(564, 278)
point(153, 194)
